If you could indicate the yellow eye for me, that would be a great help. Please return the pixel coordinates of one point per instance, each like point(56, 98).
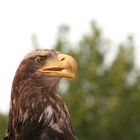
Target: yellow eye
point(40, 59)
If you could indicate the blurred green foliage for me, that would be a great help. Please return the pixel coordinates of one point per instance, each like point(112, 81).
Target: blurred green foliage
point(3, 125)
point(104, 98)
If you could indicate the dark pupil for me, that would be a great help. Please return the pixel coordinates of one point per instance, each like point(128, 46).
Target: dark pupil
point(41, 59)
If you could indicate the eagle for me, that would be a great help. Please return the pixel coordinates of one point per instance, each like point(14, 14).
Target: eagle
point(37, 112)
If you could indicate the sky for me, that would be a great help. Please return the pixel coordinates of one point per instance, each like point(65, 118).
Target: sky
point(20, 19)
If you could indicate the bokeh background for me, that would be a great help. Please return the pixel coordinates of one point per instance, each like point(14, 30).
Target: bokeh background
point(103, 36)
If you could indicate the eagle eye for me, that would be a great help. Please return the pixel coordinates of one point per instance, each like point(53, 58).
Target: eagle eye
point(40, 59)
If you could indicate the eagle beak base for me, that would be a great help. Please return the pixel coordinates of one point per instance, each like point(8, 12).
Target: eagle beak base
point(63, 66)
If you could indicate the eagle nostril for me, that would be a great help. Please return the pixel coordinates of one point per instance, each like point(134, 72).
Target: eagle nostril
point(62, 59)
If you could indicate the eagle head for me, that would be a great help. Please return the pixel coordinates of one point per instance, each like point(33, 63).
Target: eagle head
point(46, 67)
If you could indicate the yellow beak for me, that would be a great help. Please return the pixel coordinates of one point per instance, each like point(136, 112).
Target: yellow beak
point(61, 66)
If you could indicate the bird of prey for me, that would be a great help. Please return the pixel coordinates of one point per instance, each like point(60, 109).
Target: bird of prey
point(37, 112)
